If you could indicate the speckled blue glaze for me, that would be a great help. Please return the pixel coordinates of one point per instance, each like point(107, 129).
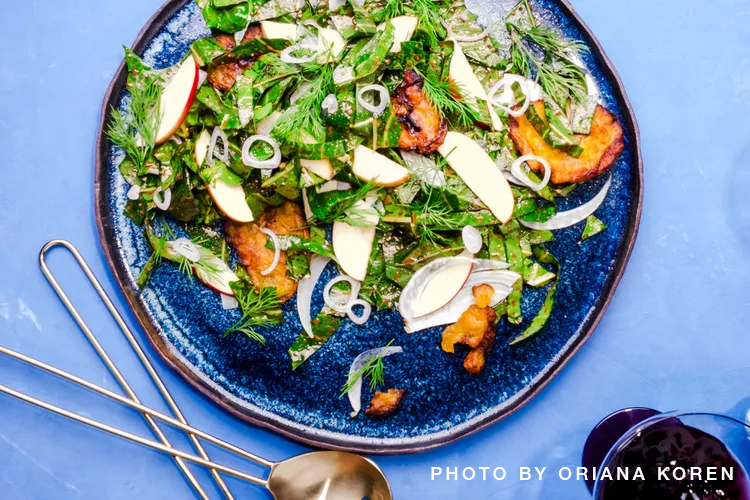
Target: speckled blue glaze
point(442, 399)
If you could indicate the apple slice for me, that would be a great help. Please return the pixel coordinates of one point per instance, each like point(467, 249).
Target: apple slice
point(403, 29)
point(353, 245)
point(210, 269)
point(230, 198)
point(321, 168)
point(480, 173)
point(370, 165)
point(265, 126)
point(284, 31)
point(329, 38)
point(463, 77)
point(443, 287)
point(177, 98)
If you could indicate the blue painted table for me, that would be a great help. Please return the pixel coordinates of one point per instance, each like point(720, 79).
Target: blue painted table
point(675, 335)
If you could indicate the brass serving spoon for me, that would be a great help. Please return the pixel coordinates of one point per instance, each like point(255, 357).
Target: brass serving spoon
point(318, 475)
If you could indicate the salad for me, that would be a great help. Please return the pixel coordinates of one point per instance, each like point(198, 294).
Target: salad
point(404, 142)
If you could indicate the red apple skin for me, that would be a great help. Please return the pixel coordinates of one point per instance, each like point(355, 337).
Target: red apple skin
point(222, 211)
point(209, 285)
point(162, 140)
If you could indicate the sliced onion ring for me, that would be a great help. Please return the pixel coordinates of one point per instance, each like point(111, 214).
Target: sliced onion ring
point(355, 392)
point(224, 154)
point(522, 176)
point(162, 199)
point(467, 38)
point(352, 295)
point(384, 96)
point(512, 112)
point(251, 161)
point(305, 290)
point(229, 302)
point(287, 57)
point(330, 104)
point(367, 310)
point(472, 239)
point(276, 252)
point(186, 248)
point(134, 192)
point(574, 216)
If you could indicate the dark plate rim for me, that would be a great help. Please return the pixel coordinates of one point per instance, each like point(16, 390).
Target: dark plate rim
point(311, 437)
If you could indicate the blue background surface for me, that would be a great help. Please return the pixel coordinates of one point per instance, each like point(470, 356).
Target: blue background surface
point(675, 335)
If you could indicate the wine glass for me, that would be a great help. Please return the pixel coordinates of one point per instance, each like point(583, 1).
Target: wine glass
point(680, 456)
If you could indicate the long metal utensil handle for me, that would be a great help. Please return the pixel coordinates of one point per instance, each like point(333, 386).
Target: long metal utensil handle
point(132, 437)
point(132, 404)
point(138, 351)
point(103, 353)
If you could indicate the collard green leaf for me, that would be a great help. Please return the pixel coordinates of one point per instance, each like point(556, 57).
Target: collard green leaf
point(323, 328)
point(593, 227)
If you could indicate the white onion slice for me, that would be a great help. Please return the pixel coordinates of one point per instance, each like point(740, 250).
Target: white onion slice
point(574, 216)
point(251, 161)
point(186, 248)
point(224, 154)
point(176, 139)
point(500, 85)
point(229, 302)
point(305, 290)
point(511, 178)
point(162, 199)
point(367, 310)
point(312, 22)
point(338, 307)
point(330, 104)
point(287, 57)
point(522, 176)
point(134, 192)
point(467, 38)
point(472, 239)
point(276, 252)
point(202, 77)
point(384, 96)
point(355, 392)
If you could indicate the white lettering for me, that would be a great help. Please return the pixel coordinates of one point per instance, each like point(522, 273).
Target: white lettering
point(711, 473)
point(540, 472)
point(582, 471)
point(639, 474)
point(695, 473)
point(682, 471)
point(623, 473)
point(570, 473)
point(439, 471)
point(606, 474)
point(484, 472)
point(727, 474)
point(448, 473)
point(472, 473)
point(494, 473)
point(525, 473)
point(661, 474)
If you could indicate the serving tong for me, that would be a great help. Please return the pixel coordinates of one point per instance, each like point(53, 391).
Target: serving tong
point(320, 475)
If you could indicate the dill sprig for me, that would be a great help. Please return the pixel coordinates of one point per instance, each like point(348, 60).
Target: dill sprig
point(345, 211)
point(559, 77)
point(427, 11)
point(450, 100)
point(305, 115)
point(261, 308)
point(372, 369)
point(135, 131)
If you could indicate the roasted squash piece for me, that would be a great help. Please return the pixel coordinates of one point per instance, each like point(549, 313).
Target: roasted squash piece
point(250, 244)
point(601, 148)
point(423, 128)
point(385, 404)
point(475, 328)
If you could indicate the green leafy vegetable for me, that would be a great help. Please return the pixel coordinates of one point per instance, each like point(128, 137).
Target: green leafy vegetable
point(593, 227)
point(259, 308)
point(372, 369)
point(135, 132)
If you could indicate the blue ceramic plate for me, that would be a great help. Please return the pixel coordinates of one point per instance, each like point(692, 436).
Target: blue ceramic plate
point(185, 321)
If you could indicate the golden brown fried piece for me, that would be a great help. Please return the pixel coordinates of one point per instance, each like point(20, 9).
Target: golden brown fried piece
point(253, 31)
point(601, 148)
point(423, 128)
point(226, 40)
point(385, 404)
point(475, 328)
point(224, 75)
point(250, 244)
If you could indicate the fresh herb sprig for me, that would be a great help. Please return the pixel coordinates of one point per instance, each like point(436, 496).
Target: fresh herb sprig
point(559, 77)
point(305, 115)
point(427, 11)
point(344, 210)
point(259, 308)
point(450, 100)
point(135, 131)
point(372, 368)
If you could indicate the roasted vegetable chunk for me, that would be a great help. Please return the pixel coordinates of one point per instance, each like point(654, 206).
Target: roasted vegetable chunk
point(253, 31)
point(225, 40)
point(250, 244)
point(423, 128)
point(601, 148)
point(385, 404)
point(224, 75)
point(475, 328)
